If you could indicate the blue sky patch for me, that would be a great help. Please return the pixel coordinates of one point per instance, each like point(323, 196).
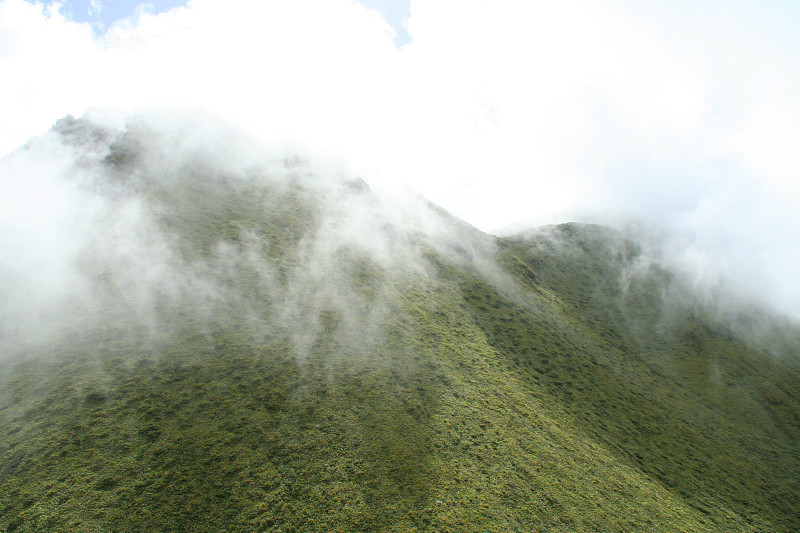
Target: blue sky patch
point(101, 14)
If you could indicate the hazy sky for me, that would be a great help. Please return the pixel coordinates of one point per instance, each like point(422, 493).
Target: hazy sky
point(102, 14)
point(684, 113)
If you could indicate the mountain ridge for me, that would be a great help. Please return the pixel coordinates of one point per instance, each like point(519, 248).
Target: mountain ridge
point(269, 345)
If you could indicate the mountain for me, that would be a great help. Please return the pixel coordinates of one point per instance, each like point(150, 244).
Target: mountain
point(197, 336)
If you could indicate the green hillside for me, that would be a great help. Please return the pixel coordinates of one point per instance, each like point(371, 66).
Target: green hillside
point(277, 349)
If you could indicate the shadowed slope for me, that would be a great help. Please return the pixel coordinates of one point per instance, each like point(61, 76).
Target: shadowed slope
point(663, 378)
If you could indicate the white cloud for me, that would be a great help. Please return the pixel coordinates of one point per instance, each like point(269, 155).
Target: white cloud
point(95, 7)
point(499, 111)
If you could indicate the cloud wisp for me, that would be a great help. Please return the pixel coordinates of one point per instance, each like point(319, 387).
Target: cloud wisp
point(159, 222)
point(685, 119)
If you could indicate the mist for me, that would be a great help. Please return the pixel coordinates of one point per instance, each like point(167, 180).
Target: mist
point(160, 220)
point(680, 120)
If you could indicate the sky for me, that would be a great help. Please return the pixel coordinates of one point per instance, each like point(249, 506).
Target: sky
point(682, 115)
point(102, 14)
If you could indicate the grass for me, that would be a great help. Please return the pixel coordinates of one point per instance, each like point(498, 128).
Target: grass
point(549, 400)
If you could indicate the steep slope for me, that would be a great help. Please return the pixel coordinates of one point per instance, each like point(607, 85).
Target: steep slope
point(677, 387)
point(271, 347)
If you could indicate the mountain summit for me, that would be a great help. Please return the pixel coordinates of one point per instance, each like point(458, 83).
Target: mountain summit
point(202, 335)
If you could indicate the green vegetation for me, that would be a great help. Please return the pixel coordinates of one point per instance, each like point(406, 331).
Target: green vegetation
point(437, 397)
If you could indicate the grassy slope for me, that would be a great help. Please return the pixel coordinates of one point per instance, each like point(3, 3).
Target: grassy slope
point(537, 407)
point(672, 390)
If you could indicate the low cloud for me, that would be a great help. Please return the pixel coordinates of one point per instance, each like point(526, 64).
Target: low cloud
point(683, 118)
point(156, 221)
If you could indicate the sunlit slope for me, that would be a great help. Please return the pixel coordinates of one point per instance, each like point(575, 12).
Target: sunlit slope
point(431, 429)
point(281, 354)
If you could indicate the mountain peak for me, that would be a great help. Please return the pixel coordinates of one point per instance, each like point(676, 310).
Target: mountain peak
point(203, 334)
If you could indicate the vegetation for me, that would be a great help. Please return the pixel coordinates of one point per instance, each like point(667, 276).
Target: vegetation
point(544, 395)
